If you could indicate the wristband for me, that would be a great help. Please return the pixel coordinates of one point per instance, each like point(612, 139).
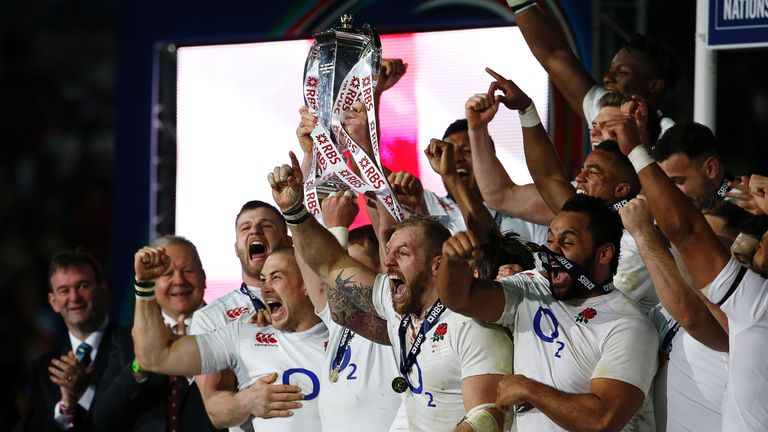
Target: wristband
point(480, 420)
point(342, 235)
point(294, 209)
point(296, 215)
point(529, 117)
point(640, 158)
point(520, 5)
point(144, 290)
point(136, 368)
point(144, 284)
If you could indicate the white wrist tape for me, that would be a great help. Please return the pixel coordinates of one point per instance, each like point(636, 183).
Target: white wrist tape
point(481, 420)
point(529, 117)
point(342, 235)
point(520, 5)
point(640, 158)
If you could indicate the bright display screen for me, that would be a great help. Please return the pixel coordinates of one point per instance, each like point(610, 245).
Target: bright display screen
point(237, 108)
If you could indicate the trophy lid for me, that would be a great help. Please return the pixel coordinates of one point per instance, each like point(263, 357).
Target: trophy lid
point(346, 21)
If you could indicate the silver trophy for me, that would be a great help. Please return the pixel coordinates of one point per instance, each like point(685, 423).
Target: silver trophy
point(332, 56)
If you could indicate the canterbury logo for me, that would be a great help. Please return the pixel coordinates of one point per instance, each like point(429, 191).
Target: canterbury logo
point(266, 338)
point(236, 312)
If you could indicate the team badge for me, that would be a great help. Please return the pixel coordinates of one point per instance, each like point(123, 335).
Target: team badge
point(586, 315)
point(266, 339)
point(440, 332)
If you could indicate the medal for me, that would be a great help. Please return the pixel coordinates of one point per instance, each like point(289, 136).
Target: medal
point(335, 374)
point(399, 384)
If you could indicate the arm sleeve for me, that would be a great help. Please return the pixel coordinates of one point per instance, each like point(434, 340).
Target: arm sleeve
point(218, 348)
point(514, 287)
point(201, 323)
point(630, 354)
point(482, 349)
point(748, 302)
point(382, 296)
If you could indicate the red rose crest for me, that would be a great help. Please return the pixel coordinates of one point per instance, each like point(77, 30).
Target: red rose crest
point(586, 315)
point(440, 332)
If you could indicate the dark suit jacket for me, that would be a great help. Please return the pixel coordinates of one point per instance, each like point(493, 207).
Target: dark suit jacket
point(45, 394)
point(126, 405)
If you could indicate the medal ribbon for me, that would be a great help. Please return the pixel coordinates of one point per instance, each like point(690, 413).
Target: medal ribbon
point(621, 203)
point(573, 269)
point(724, 188)
point(257, 304)
point(408, 357)
point(346, 339)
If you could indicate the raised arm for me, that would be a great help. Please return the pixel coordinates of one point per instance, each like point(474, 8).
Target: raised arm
point(540, 155)
point(687, 305)
point(497, 188)
point(350, 283)
point(339, 212)
point(156, 349)
point(679, 220)
point(550, 48)
point(306, 126)
point(459, 291)
point(476, 216)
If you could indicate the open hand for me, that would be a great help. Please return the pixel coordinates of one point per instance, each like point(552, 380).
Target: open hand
point(267, 400)
point(71, 377)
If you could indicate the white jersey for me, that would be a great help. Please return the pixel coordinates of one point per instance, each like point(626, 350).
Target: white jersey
point(632, 277)
point(567, 344)
point(363, 394)
point(746, 398)
point(228, 308)
point(252, 351)
point(448, 213)
point(694, 383)
point(591, 108)
point(233, 306)
point(456, 347)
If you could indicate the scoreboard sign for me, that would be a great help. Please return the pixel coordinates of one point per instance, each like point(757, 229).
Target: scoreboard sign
point(738, 24)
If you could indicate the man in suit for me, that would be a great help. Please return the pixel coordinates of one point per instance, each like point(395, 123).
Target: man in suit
point(66, 379)
point(132, 399)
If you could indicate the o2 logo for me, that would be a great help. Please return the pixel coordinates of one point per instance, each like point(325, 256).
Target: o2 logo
point(312, 377)
point(552, 333)
point(345, 362)
point(420, 388)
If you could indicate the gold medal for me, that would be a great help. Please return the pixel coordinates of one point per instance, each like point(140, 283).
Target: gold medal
point(335, 374)
point(399, 384)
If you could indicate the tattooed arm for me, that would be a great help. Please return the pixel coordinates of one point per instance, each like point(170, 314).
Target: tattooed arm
point(349, 282)
point(351, 305)
point(350, 295)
